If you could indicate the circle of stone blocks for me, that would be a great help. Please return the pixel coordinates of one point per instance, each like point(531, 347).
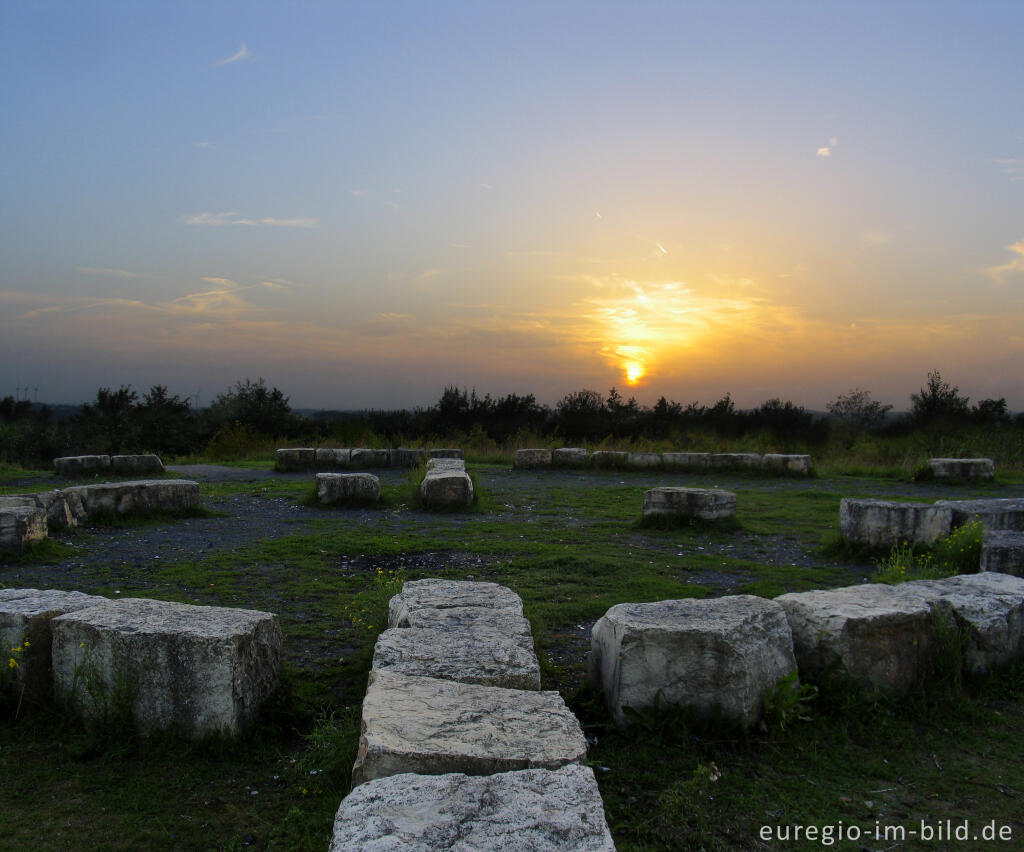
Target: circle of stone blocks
point(435, 594)
point(21, 526)
point(530, 810)
point(570, 457)
point(1003, 551)
point(609, 458)
point(686, 461)
point(997, 513)
point(962, 468)
point(718, 656)
point(532, 458)
point(708, 504)
point(643, 461)
point(138, 465)
point(431, 726)
point(74, 467)
point(331, 458)
point(347, 488)
point(194, 670)
point(446, 453)
point(735, 461)
point(446, 488)
point(788, 465)
point(123, 498)
point(883, 523)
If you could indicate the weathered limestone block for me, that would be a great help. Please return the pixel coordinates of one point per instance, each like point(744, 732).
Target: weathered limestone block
point(292, 459)
point(643, 461)
point(686, 461)
point(446, 453)
point(716, 656)
point(446, 488)
point(406, 457)
point(347, 488)
point(21, 526)
point(1003, 551)
point(991, 608)
point(709, 504)
point(144, 495)
point(433, 594)
point(883, 523)
point(53, 503)
point(962, 468)
point(430, 726)
point(735, 461)
point(570, 457)
point(456, 618)
point(138, 465)
point(532, 458)
point(609, 458)
point(366, 457)
point(875, 635)
point(198, 670)
point(445, 464)
point(25, 617)
point(788, 465)
point(481, 653)
point(331, 458)
point(530, 810)
point(77, 467)
point(1005, 513)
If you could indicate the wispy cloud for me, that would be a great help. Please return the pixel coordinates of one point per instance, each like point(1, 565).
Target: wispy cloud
point(824, 151)
point(240, 55)
point(1013, 168)
point(102, 272)
point(231, 218)
point(1015, 266)
point(426, 275)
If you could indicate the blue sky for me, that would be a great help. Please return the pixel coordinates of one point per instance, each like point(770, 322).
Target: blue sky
point(366, 202)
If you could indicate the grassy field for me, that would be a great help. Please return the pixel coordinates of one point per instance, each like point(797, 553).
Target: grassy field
point(571, 546)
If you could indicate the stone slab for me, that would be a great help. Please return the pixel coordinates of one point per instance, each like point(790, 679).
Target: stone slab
point(1003, 551)
point(137, 465)
point(293, 459)
point(962, 468)
point(708, 504)
point(735, 461)
point(331, 458)
point(75, 467)
point(714, 656)
point(144, 495)
point(999, 513)
point(445, 464)
point(786, 464)
point(432, 727)
point(347, 488)
point(883, 523)
point(570, 457)
point(446, 488)
point(455, 618)
point(686, 461)
point(529, 810)
point(532, 458)
point(435, 593)
point(21, 526)
point(361, 457)
point(196, 670)
point(609, 459)
point(643, 461)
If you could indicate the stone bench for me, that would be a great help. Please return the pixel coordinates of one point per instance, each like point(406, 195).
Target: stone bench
point(1005, 513)
point(433, 594)
point(1003, 551)
point(532, 458)
point(531, 810)
point(294, 459)
point(446, 487)
point(123, 498)
point(718, 656)
point(961, 468)
point(195, 670)
point(708, 504)
point(77, 467)
point(360, 457)
point(361, 488)
point(786, 465)
point(432, 727)
point(138, 465)
point(20, 527)
point(570, 457)
point(883, 523)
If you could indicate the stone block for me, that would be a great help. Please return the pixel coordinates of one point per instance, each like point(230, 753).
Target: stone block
point(883, 523)
point(123, 498)
point(431, 726)
point(331, 458)
point(445, 464)
point(529, 810)
point(643, 461)
point(481, 652)
point(406, 457)
point(570, 457)
point(1000, 513)
point(786, 465)
point(361, 457)
point(735, 461)
point(456, 618)
point(609, 459)
point(962, 468)
point(78, 467)
point(446, 488)
point(686, 461)
point(446, 453)
point(708, 504)
point(359, 488)
point(433, 594)
point(25, 617)
point(716, 656)
point(196, 670)
point(138, 465)
point(1003, 551)
point(53, 503)
point(532, 458)
point(294, 459)
point(875, 635)
point(21, 526)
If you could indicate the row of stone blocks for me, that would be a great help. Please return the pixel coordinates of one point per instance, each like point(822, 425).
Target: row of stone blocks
point(335, 458)
point(723, 656)
point(194, 670)
point(577, 457)
point(961, 468)
point(76, 467)
point(446, 485)
point(460, 750)
point(26, 518)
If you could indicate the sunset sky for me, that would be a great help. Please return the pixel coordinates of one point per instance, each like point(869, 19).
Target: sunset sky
point(365, 202)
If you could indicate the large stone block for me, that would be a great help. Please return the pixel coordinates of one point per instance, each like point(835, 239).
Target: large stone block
point(482, 652)
point(609, 459)
point(430, 726)
point(406, 457)
point(347, 488)
point(293, 459)
point(446, 488)
point(1006, 513)
point(786, 465)
point(735, 461)
point(446, 453)
point(875, 635)
point(138, 465)
point(77, 467)
point(883, 523)
point(643, 461)
point(714, 656)
point(197, 670)
point(365, 457)
point(21, 526)
point(532, 458)
point(686, 461)
point(432, 594)
point(331, 458)
point(1003, 551)
point(570, 457)
point(445, 464)
point(123, 498)
point(25, 618)
point(708, 504)
point(530, 810)
point(962, 468)
point(456, 618)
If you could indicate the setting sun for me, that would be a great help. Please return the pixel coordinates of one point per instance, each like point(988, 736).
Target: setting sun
point(634, 372)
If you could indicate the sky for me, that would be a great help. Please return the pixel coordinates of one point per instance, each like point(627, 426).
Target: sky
point(363, 203)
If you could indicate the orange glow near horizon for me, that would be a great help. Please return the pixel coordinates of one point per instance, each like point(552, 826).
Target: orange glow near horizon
point(634, 372)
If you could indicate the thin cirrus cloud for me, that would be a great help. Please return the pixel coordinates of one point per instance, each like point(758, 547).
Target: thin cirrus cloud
point(217, 220)
point(1014, 266)
point(240, 55)
point(103, 272)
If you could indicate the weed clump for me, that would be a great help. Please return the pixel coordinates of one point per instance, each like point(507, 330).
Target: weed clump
point(957, 553)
